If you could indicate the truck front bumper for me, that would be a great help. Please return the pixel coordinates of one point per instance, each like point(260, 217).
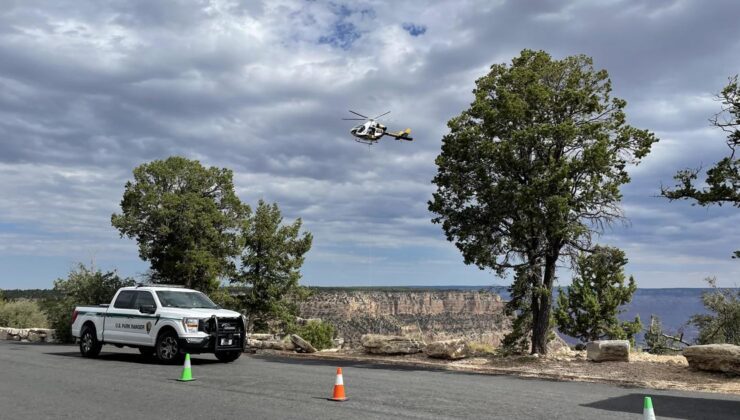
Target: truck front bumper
point(212, 343)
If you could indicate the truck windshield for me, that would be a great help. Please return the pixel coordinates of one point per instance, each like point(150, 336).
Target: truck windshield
point(172, 299)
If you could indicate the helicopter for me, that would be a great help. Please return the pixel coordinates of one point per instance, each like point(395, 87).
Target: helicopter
point(371, 131)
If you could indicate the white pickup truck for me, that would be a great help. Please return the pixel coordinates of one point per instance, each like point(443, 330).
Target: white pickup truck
point(165, 322)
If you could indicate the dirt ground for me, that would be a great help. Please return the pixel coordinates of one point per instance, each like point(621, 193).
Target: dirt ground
point(643, 370)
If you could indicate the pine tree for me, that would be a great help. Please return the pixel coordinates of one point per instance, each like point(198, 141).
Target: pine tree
point(590, 307)
point(271, 260)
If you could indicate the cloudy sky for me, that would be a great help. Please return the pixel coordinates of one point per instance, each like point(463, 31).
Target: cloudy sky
point(91, 89)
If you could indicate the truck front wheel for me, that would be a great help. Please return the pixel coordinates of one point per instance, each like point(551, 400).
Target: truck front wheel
point(167, 348)
point(89, 344)
point(228, 356)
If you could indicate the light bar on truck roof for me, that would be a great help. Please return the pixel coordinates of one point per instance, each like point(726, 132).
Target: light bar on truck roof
point(174, 286)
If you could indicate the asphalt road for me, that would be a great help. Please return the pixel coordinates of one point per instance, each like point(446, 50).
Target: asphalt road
point(53, 381)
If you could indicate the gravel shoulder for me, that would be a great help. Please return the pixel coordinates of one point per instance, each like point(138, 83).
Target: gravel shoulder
point(644, 370)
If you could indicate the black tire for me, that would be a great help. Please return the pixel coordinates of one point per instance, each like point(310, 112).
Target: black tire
point(89, 344)
point(228, 356)
point(167, 348)
point(147, 352)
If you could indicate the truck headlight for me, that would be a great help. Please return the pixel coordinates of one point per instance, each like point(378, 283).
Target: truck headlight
point(190, 324)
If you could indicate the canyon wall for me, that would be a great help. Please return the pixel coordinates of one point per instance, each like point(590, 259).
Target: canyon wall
point(428, 314)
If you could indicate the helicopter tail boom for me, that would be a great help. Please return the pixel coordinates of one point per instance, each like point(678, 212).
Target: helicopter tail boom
point(401, 135)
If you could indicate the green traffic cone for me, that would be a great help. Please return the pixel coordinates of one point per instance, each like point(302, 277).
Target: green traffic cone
point(187, 372)
point(647, 409)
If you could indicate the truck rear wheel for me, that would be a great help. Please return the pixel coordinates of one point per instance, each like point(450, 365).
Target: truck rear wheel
point(167, 348)
point(228, 356)
point(89, 344)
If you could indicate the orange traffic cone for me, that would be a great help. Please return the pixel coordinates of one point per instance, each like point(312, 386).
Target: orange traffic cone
point(339, 387)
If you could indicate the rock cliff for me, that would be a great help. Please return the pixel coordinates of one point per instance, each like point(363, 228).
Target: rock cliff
point(429, 315)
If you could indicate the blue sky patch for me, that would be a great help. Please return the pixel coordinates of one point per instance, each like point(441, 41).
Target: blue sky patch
point(343, 32)
point(343, 35)
point(413, 29)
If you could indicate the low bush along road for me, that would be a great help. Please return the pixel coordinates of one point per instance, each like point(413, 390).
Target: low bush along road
point(53, 381)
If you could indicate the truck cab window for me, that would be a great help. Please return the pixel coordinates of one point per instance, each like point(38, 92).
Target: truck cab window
point(144, 298)
point(125, 300)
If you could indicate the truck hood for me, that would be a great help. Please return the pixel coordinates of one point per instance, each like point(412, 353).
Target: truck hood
point(199, 313)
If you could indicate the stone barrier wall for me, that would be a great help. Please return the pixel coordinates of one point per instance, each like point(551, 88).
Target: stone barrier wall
point(33, 335)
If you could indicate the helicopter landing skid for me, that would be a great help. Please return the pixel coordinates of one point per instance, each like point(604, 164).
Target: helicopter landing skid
point(365, 141)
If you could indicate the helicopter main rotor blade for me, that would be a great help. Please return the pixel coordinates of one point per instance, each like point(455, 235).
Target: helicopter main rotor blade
point(381, 115)
point(357, 113)
point(354, 119)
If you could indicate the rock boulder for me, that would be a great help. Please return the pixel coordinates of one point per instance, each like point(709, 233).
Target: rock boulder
point(714, 357)
point(557, 345)
point(447, 349)
point(390, 344)
point(287, 344)
point(608, 350)
point(304, 321)
point(280, 345)
point(261, 337)
point(337, 343)
point(301, 345)
point(269, 342)
point(48, 335)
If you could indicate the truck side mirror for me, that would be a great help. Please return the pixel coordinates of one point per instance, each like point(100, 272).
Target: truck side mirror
point(147, 309)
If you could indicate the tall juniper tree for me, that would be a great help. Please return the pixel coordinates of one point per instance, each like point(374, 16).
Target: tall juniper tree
point(531, 170)
point(185, 218)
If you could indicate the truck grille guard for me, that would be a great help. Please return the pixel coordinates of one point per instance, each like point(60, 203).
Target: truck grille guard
point(224, 328)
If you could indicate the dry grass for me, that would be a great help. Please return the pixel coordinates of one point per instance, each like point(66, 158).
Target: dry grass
point(478, 349)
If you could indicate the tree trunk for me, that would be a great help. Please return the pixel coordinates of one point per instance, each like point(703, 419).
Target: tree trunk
point(542, 307)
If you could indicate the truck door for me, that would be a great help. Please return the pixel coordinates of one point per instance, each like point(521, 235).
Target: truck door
point(142, 322)
point(117, 317)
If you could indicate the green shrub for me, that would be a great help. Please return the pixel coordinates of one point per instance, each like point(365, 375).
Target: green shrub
point(722, 322)
point(82, 287)
point(22, 313)
point(658, 342)
point(223, 298)
point(59, 312)
point(318, 333)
